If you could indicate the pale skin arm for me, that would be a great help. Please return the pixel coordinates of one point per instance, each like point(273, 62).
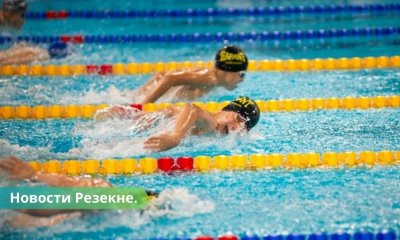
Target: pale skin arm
point(192, 78)
point(191, 93)
point(20, 170)
point(152, 81)
point(28, 221)
point(21, 54)
point(186, 119)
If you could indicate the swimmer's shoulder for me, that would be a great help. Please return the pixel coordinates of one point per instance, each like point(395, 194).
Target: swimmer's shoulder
point(2, 19)
point(207, 74)
point(194, 76)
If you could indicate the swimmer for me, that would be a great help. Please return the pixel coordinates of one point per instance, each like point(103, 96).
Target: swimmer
point(229, 70)
point(20, 170)
point(12, 13)
point(24, 53)
point(241, 114)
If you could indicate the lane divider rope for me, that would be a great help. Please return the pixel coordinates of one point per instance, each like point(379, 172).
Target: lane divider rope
point(216, 12)
point(282, 105)
point(358, 235)
point(150, 165)
point(207, 37)
point(316, 64)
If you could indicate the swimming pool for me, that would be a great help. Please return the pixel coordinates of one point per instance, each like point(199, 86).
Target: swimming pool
point(216, 203)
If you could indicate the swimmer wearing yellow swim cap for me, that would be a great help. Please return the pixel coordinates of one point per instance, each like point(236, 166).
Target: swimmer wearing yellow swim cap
point(228, 71)
point(241, 114)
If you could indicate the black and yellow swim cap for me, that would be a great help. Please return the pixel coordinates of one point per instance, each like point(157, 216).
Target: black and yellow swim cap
point(247, 108)
point(231, 59)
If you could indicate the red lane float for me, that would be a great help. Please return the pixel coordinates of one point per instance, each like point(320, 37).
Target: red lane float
point(165, 164)
point(185, 163)
point(204, 238)
point(228, 237)
point(137, 106)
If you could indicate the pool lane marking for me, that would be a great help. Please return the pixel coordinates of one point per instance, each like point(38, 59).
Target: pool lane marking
point(214, 12)
point(149, 165)
point(289, 65)
point(230, 37)
point(283, 105)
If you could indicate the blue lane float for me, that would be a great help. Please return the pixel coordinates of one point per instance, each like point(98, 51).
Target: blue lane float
point(217, 12)
point(208, 37)
point(384, 235)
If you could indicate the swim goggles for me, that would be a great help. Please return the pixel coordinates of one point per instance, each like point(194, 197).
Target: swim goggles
point(242, 74)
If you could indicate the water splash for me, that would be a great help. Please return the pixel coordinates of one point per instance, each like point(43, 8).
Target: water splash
point(31, 153)
point(117, 137)
point(177, 203)
point(171, 203)
point(111, 95)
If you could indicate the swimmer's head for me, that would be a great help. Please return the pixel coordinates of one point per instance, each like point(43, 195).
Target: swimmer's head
point(232, 62)
point(246, 109)
point(58, 50)
point(231, 59)
point(14, 12)
point(151, 194)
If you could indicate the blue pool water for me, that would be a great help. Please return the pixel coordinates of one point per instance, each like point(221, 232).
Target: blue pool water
point(216, 203)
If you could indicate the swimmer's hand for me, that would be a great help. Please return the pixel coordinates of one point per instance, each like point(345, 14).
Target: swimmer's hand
point(162, 142)
point(16, 168)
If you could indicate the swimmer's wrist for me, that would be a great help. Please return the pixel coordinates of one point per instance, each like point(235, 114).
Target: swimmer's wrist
point(178, 135)
point(35, 177)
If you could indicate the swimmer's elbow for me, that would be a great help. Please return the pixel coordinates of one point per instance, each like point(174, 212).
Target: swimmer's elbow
point(168, 80)
point(192, 107)
point(172, 79)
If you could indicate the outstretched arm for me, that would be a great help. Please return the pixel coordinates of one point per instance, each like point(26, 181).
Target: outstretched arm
point(186, 119)
point(20, 170)
point(28, 220)
point(23, 55)
point(193, 78)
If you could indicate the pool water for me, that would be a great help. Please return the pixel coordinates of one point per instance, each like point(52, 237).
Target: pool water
point(216, 203)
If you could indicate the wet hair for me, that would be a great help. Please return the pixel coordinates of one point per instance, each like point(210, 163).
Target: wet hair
point(15, 6)
point(231, 59)
point(246, 108)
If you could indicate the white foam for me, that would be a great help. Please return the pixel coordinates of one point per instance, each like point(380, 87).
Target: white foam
point(178, 203)
point(111, 95)
point(29, 152)
point(171, 203)
point(112, 138)
point(116, 137)
point(8, 90)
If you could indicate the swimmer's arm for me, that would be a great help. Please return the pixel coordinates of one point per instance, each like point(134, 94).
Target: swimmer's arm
point(29, 221)
point(60, 180)
point(151, 82)
point(20, 170)
point(179, 78)
point(186, 119)
point(23, 55)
